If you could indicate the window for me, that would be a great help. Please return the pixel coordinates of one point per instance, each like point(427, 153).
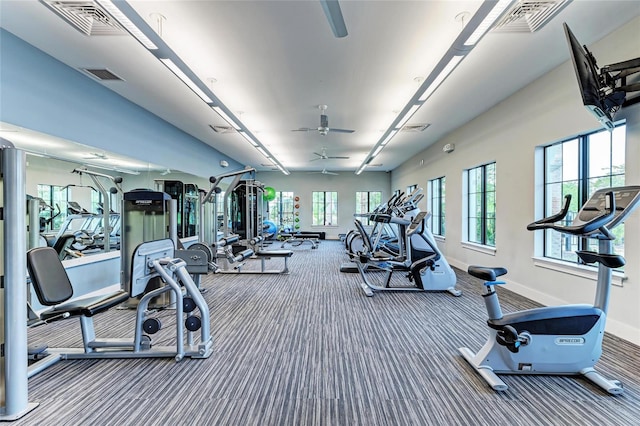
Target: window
point(56, 197)
point(481, 205)
point(436, 206)
point(96, 201)
point(324, 208)
point(411, 188)
point(367, 202)
point(579, 166)
point(281, 211)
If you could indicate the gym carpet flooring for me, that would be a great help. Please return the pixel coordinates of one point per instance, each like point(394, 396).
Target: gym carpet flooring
point(310, 348)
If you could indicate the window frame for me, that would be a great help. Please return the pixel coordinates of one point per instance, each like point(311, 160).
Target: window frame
point(279, 215)
point(325, 207)
point(437, 206)
point(485, 209)
point(584, 188)
point(369, 207)
point(47, 193)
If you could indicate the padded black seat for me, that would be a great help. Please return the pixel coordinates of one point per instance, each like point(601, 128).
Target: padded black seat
point(274, 253)
point(53, 288)
point(486, 273)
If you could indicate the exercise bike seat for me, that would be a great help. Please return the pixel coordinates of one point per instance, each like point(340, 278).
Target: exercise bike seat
point(486, 273)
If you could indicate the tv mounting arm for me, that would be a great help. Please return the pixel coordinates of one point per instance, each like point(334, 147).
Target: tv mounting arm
point(618, 82)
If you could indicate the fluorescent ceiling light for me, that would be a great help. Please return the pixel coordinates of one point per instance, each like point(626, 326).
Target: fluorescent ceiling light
point(112, 169)
point(408, 115)
point(377, 151)
point(125, 22)
point(440, 78)
point(226, 117)
point(186, 80)
point(486, 24)
point(262, 151)
point(388, 138)
point(250, 139)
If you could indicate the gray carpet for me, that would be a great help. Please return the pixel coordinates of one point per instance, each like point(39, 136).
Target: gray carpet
point(310, 349)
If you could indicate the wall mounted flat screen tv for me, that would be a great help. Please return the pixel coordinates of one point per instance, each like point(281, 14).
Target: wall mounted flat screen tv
point(588, 80)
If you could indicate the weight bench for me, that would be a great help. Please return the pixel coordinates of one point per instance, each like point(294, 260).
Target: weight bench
point(268, 254)
point(225, 252)
point(150, 260)
point(299, 239)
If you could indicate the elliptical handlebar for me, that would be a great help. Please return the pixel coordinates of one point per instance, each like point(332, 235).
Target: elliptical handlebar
point(554, 218)
point(585, 228)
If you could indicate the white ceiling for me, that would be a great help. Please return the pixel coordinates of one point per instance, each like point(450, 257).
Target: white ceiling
point(273, 62)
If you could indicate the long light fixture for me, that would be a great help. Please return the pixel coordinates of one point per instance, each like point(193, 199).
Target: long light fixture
point(138, 28)
point(226, 118)
point(250, 139)
point(407, 116)
point(441, 77)
point(389, 137)
point(127, 24)
point(186, 80)
point(486, 24)
point(486, 15)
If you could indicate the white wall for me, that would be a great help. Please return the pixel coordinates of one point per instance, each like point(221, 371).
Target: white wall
point(545, 111)
point(346, 183)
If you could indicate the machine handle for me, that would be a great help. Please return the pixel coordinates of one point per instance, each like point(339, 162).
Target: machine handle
point(539, 224)
point(586, 228)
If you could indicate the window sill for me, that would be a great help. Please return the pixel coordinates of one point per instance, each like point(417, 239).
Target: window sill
point(440, 238)
point(479, 248)
point(589, 272)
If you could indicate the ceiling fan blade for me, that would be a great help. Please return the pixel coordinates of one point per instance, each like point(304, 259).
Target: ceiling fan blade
point(302, 129)
point(330, 173)
point(319, 155)
point(334, 16)
point(339, 158)
point(341, 130)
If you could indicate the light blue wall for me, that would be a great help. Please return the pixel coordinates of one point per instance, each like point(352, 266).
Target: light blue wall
point(41, 93)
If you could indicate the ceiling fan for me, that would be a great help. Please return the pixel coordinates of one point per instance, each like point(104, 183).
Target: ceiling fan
point(325, 172)
point(324, 125)
point(324, 156)
point(95, 156)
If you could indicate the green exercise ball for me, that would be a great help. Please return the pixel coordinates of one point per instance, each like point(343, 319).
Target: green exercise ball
point(269, 193)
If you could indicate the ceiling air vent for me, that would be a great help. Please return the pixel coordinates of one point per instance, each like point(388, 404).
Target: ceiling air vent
point(102, 74)
point(415, 127)
point(528, 16)
point(86, 16)
point(222, 129)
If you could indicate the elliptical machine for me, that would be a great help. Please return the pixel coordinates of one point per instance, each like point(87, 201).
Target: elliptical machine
point(557, 340)
point(430, 272)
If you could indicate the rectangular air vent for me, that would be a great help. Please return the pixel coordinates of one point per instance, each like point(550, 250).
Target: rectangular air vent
point(86, 16)
point(528, 16)
point(415, 127)
point(102, 74)
point(222, 129)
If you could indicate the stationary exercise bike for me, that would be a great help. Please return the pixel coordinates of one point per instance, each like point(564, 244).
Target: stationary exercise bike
point(558, 340)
